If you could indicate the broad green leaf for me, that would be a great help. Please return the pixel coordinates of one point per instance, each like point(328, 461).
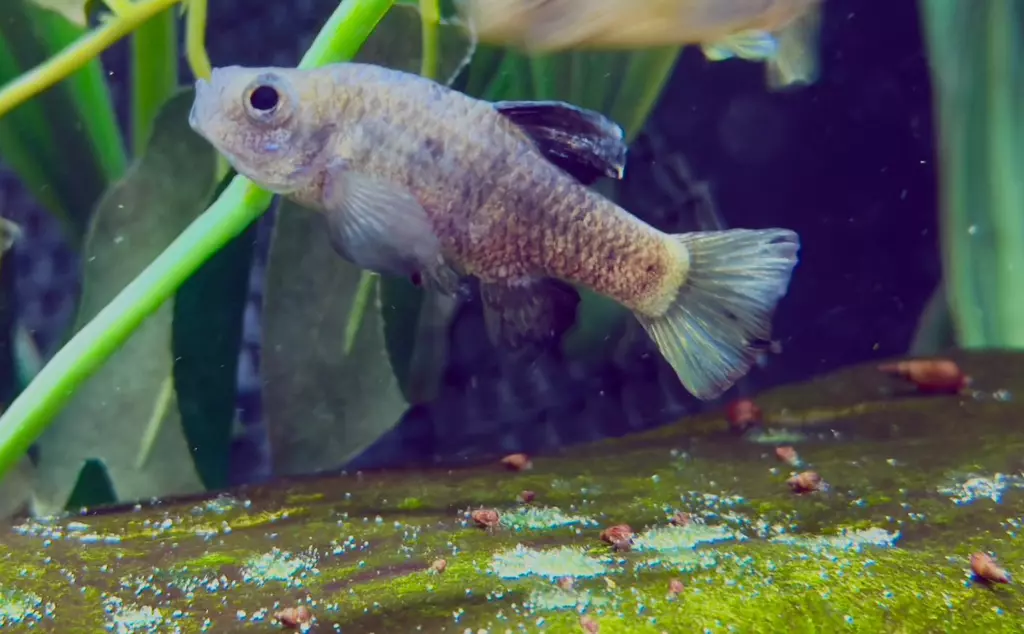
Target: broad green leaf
point(126, 415)
point(64, 144)
point(16, 489)
point(154, 68)
point(324, 407)
point(72, 10)
point(208, 317)
point(93, 487)
point(974, 53)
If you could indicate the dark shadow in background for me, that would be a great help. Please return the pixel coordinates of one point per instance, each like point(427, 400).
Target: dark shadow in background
point(849, 163)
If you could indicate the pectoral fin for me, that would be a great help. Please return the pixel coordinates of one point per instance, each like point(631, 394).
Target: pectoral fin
point(528, 312)
point(381, 226)
point(582, 142)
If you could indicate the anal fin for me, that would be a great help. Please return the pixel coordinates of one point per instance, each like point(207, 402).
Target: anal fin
point(528, 312)
point(380, 226)
point(584, 143)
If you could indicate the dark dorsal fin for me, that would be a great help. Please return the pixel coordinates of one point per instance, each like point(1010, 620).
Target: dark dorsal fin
point(582, 142)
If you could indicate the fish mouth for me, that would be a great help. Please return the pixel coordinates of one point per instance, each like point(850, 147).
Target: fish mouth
point(202, 87)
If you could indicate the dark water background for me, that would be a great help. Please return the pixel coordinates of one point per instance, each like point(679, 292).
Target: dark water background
point(848, 163)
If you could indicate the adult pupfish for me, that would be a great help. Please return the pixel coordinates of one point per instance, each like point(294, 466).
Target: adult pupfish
point(782, 33)
point(417, 179)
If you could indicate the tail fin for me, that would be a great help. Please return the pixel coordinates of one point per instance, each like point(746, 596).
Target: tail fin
point(796, 62)
point(723, 310)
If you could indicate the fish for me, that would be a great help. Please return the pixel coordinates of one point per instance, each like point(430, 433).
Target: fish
point(414, 177)
point(781, 33)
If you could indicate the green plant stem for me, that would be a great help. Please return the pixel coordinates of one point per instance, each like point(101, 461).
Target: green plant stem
point(29, 156)
point(234, 210)
point(195, 39)
point(154, 59)
point(430, 17)
point(118, 7)
point(78, 54)
point(367, 285)
point(90, 96)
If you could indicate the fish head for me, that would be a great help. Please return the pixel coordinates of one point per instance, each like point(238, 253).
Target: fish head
point(264, 121)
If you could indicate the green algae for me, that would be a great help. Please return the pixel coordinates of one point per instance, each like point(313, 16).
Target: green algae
point(915, 486)
point(410, 504)
point(209, 561)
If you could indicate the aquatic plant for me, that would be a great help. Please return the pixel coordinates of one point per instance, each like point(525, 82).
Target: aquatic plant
point(974, 50)
point(104, 326)
point(180, 397)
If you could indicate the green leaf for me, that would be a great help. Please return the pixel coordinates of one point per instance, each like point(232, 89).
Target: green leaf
point(93, 487)
point(322, 407)
point(72, 10)
point(974, 51)
point(33, 412)
point(126, 415)
point(208, 318)
point(640, 85)
point(73, 123)
point(16, 489)
point(154, 59)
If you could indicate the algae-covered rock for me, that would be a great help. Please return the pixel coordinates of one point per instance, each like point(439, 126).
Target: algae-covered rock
point(914, 486)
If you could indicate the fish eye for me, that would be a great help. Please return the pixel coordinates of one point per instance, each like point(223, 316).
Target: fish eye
point(264, 98)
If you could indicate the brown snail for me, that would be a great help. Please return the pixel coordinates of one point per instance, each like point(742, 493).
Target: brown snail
point(931, 376)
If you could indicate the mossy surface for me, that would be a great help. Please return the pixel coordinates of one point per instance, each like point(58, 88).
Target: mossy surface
point(915, 485)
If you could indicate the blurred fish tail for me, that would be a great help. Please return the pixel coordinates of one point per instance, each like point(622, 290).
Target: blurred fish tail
point(711, 330)
point(796, 62)
point(749, 45)
point(790, 54)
